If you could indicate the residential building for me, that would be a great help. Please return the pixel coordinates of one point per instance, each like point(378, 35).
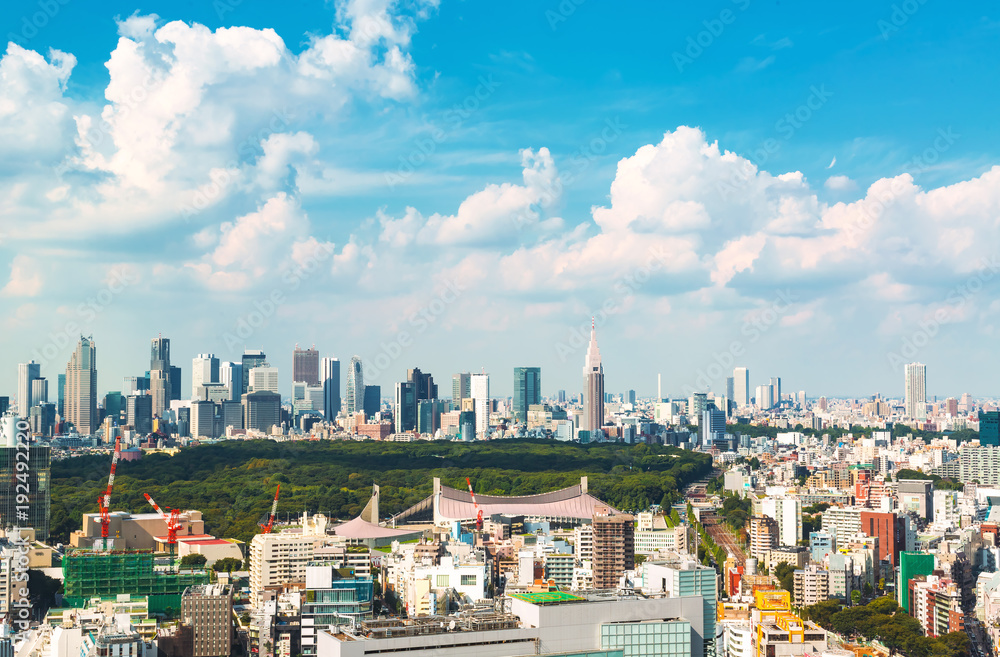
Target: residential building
point(812, 585)
point(763, 536)
point(614, 547)
point(915, 383)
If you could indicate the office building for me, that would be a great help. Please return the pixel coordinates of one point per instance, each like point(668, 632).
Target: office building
point(263, 378)
point(261, 410)
point(208, 610)
point(404, 410)
point(371, 403)
point(776, 388)
point(61, 395)
point(764, 397)
point(355, 387)
point(713, 426)
point(890, 529)
point(202, 419)
point(175, 383)
point(39, 391)
point(593, 387)
point(730, 387)
point(527, 391)
point(687, 580)
point(251, 358)
point(231, 376)
point(26, 373)
point(460, 389)
point(204, 370)
point(334, 597)
point(36, 487)
point(330, 380)
point(139, 413)
point(160, 384)
point(741, 387)
point(989, 428)
point(915, 383)
point(429, 413)
point(305, 365)
point(81, 387)
point(479, 389)
point(614, 547)
point(423, 384)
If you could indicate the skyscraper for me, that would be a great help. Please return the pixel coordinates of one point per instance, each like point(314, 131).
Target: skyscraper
point(355, 386)
point(371, 402)
point(423, 384)
point(776, 385)
point(26, 373)
point(479, 390)
point(460, 389)
point(527, 390)
point(204, 369)
point(741, 387)
point(404, 411)
point(764, 398)
point(61, 395)
point(160, 385)
point(305, 365)
point(81, 387)
point(263, 377)
point(915, 382)
point(231, 375)
point(251, 358)
point(730, 387)
point(593, 386)
point(330, 380)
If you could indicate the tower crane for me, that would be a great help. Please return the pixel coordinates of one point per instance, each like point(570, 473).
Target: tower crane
point(266, 526)
point(104, 501)
point(173, 523)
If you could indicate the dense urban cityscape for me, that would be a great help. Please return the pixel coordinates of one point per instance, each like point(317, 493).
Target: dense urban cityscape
point(427, 328)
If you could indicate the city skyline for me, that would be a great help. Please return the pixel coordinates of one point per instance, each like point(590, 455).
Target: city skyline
point(487, 196)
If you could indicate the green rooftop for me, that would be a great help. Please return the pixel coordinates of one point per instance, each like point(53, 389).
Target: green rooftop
point(547, 598)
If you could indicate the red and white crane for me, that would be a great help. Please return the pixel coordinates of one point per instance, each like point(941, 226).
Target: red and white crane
point(173, 523)
point(479, 512)
point(266, 526)
point(104, 501)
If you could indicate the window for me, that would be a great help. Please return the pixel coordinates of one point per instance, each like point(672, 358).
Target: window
point(442, 581)
point(468, 580)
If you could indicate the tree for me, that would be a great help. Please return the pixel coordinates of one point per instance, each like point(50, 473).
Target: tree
point(867, 589)
point(883, 605)
point(194, 560)
point(821, 612)
point(755, 463)
point(227, 565)
point(855, 596)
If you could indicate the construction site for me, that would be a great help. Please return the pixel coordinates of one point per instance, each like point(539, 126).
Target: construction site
point(91, 574)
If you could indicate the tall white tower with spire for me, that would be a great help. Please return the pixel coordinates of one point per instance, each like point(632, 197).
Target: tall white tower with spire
point(593, 386)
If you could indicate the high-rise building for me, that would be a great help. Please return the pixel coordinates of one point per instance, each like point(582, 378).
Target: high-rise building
point(208, 610)
point(730, 387)
point(479, 390)
point(776, 390)
point(204, 369)
point(261, 410)
point(764, 398)
point(989, 428)
point(460, 389)
point(787, 513)
point(139, 413)
point(915, 382)
point(527, 391)
point(763, 536)
point(26, 373)
point(39, 391)
point(713, 426)
point(160, 384)
point(305, 365)
point(741, 387)
point(429, 415)
point(405, 409)
point(263, 378)
point(251, 358)
point(61, 395)
point(330, 380)
point(355, 386)
point(175, 383)
point(614, 547)
point(81, 387)
point(371, 401)
point(231, 375)
point(593, 387)
point(202, 419)
point(33, 481)
point(890, 529)
point(423, 384)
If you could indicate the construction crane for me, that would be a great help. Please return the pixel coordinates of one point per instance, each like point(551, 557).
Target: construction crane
point(479, 512)
point(266, 526)
point(104, 501)
point(173, 524)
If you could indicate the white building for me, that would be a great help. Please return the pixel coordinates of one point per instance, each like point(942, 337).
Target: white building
point(479, 389)
point(264, 378)
point(787, 512)
point(277, 559)
point(915, 382)
point(204, 370)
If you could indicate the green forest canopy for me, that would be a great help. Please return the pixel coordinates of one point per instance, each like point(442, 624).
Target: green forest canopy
point(232, 482)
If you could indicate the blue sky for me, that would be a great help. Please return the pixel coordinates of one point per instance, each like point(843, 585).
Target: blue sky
point(403, 147)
